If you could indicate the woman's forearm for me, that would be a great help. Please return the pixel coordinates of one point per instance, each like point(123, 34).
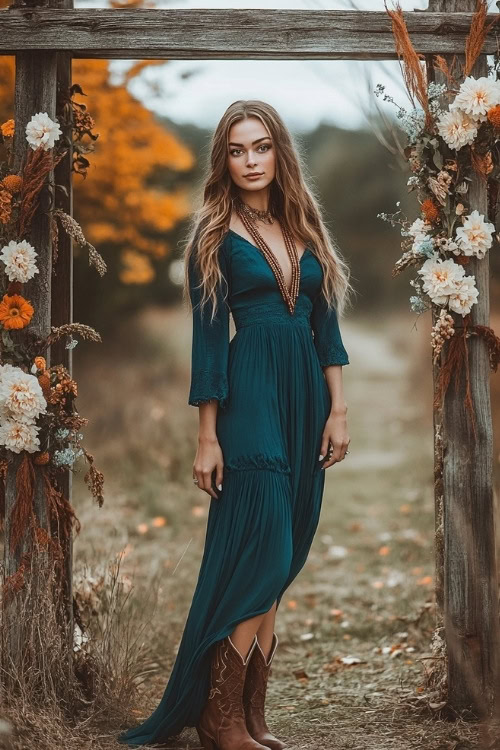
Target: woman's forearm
point(207, 420)
point(333, 376)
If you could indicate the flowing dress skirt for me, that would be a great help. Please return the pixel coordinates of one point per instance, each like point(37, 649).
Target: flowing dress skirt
point(260, 529)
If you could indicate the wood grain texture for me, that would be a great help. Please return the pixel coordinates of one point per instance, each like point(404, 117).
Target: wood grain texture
point(62, 306)
point(229, 34)
point(469, 575)
point(35, 91)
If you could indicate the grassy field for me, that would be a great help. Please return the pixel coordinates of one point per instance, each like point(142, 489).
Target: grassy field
point(352, 666)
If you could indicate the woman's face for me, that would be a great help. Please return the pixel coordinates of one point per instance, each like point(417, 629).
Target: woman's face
point(251, 150)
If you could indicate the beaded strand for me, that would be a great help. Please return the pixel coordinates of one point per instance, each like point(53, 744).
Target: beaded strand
point(290, 297)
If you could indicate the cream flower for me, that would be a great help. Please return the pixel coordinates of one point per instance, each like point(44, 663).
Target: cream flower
point(19, 259)
point(4, 370)
point(42, 131)
point(476, 96)
point(439, 277)
point(419, 229)
point(456, 128)
point(19, 436)
point(464, 295)
point(475, 237)
point(21, 395)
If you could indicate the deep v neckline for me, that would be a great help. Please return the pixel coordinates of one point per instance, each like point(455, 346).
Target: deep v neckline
point(262, 255)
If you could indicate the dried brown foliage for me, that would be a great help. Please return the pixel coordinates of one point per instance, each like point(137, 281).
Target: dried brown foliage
point(477, 34)
point(39, 164)
point(413, 68)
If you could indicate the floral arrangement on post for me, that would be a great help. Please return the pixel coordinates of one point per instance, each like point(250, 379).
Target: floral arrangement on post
point(38, 416)
point(445, 146)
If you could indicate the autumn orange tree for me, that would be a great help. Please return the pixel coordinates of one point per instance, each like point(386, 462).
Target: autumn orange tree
point(126, 205)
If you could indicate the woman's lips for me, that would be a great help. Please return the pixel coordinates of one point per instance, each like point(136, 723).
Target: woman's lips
point(253, 176)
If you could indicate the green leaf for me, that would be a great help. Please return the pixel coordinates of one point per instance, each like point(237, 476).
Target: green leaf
point(438, 159)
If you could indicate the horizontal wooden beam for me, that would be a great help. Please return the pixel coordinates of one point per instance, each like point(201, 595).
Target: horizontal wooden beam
point(230, 34)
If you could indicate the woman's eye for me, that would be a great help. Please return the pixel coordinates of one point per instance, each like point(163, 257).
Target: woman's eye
point(265, 146)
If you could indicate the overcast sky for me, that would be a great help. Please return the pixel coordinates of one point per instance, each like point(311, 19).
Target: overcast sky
point(304, 93)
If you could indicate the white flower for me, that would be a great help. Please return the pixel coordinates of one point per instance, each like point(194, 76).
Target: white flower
point(42, 131)
point(439, 277)
point(19, 436)
point(456, 128)
point(21, 395)
point(419, 229)
point(19, 259)
point(476, 96)
point(451, 246)
point(464, 295)
point(475, 237)
point(4, 369)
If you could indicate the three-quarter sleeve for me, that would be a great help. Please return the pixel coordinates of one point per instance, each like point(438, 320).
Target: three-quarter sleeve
point(327, 336)
point(210, 342)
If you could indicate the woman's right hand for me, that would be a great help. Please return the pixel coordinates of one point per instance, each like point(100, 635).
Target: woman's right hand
point(208, 458)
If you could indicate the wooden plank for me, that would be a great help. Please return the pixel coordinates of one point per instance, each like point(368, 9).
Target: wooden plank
point(235, 34)
point(464, 499)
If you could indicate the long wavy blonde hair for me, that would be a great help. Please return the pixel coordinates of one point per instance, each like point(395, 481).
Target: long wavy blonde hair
point(290, 199)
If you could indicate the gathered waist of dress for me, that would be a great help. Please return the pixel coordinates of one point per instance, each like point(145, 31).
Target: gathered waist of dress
point(267, 313)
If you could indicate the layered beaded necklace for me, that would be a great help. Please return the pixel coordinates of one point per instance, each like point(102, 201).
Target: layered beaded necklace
point(290, 296)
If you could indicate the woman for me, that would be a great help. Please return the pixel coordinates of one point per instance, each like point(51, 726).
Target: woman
point(272, 418)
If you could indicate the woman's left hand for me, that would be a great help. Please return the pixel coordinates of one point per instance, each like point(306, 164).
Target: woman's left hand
point(335, 439)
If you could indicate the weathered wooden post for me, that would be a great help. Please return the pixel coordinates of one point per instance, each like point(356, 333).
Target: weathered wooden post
point(466, 575)
point(36, 91)
point(62, 294)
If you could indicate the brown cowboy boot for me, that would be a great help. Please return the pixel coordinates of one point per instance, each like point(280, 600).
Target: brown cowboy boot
point(254, 697)
point(222, 721)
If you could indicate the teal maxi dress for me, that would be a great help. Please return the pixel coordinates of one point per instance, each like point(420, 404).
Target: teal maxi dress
point(273, 405)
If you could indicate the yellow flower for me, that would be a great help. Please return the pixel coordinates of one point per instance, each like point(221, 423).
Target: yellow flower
point(15, 312)
point(7, 128)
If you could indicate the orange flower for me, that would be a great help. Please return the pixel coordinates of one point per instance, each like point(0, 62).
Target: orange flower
point(493, 116)
point(7, 128)
point(429, 210)
point(40, 363)
point(42, 458)
point(15, 312)
point(13, 183)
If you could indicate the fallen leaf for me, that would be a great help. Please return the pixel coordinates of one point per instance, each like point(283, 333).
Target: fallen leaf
point(356, 526)
point(306, 636)
point(424, 581)
point(301, 675)
point(159, 521)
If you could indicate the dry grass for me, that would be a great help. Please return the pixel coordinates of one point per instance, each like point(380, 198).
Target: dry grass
point(366, 590)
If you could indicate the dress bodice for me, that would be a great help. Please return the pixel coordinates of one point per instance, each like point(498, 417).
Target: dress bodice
point(253, 297)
